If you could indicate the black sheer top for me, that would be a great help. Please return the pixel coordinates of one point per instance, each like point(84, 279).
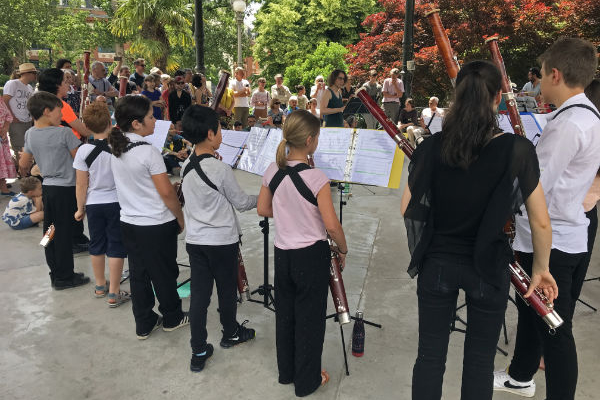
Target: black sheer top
point(463, 212)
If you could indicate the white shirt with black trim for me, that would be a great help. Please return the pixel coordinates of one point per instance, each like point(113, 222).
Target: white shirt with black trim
point(140, 202)
point(568, 153)
point(101, 187)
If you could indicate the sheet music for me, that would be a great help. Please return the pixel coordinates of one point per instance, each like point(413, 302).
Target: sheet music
point(541, 120)
point(372, 158)
point(531, 128)
point(268, 152)
point(332, 153)
point(159, 136)
point(232, 144)
point(436, 124)
point(254, 143)
point(504, 123)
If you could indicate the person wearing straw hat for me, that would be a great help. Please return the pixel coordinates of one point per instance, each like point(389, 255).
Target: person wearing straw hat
point(16, 94)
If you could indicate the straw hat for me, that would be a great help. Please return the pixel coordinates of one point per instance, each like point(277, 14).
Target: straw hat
point(27, 67)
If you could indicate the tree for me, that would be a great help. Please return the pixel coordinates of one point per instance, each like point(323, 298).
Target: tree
point(322, 61)
point(154, 27)
point(526, 29)
point(288, 30)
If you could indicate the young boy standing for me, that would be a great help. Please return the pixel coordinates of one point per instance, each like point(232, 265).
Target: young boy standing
point(213, 233)
point(54, 147)
point(568, 157)
point(25, 209)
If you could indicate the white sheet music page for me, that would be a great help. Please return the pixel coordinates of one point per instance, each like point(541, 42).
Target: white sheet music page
point(531, 128)
point(268, 152)
point(504, 123)
point(158, 137)
point(332, 153)
point(373, 157)
point(232, 144)
point(254, 144)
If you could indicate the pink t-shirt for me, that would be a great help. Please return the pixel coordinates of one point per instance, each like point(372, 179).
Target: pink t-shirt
point(298, 223)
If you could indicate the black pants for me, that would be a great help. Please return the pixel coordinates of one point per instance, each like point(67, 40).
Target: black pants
point(301, 284)
point(211, 264)
point(533, 338)
point(579, 277)
point(152, 253)
point(59, 208)
point(438, 284)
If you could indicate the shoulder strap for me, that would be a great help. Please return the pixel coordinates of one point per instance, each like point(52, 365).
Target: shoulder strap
point(195, 164)
point(99, 147)
point(133, 145)
point(431, 120)
point(294, 173)
point(577, 105)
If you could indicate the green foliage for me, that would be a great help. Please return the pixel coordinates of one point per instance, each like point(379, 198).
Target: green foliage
point(288, 30)
point(153, 27)
point(322, 61)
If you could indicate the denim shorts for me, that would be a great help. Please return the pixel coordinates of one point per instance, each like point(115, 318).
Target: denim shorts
point(24, 223)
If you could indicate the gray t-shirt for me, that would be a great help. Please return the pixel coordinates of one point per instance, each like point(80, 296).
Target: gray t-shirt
point(210, 218)
point(51, 147)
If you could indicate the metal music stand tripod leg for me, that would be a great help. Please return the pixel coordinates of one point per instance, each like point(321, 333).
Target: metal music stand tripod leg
point(266, 289)
point(457, 318)
point(583, 302)
point(340, 187)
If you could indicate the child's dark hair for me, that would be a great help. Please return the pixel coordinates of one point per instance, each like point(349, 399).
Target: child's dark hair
point(41, 101)
point(197, 121)
point(237, 123)
point(299, 88)
point(50, 79)
point(197, 80)
point(128, 109)
point(30, 183)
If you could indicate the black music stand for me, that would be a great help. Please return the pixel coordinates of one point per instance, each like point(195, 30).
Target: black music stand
point(583, 302)
point(341, 187)
point(266, 289)
point(356, 107)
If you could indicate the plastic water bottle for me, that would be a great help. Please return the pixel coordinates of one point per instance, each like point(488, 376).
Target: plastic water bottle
point(358, 336)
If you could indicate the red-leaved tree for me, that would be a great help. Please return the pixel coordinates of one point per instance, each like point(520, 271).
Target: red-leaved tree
point(526, 29)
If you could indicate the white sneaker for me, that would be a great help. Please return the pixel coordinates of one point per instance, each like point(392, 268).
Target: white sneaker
point(503, 382)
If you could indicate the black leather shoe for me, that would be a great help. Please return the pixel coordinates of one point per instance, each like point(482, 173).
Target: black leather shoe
point(78, 279)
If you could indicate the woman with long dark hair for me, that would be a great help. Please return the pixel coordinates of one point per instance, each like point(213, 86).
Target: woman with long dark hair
point(463, 185)
point(151, 218)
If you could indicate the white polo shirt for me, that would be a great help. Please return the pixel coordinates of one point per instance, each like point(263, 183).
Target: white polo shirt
point(140, 202)
point(568, 153)
point(101, 187)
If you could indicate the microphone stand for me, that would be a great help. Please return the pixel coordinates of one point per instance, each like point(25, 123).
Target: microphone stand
point(341, 187)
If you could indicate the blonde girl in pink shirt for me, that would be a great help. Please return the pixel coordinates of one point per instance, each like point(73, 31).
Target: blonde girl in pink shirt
point(302, 254)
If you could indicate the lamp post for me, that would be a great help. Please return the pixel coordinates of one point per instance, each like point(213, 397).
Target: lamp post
point(239, 7)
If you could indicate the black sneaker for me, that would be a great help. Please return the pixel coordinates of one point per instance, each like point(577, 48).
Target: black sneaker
point(80, 248)
point(197, 362)
point(144, 336)
point(242, 335)
point(184, 321)
point(78, 279)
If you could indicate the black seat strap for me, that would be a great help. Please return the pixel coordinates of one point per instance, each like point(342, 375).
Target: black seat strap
point(195, 164)
point(294, 174)
point(576, 105)
point(99, 147)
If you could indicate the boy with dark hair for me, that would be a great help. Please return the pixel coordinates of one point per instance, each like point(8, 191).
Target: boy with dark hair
point(54, 147)
point(212, 233)
point(568, 165)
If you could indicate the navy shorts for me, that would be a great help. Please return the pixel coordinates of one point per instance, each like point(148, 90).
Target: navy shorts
point(105, 230)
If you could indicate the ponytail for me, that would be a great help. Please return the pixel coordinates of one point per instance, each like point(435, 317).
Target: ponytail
point(118, 141)
point(128, 109)
point(298, 126)
point(281, 154)
point(471, 121)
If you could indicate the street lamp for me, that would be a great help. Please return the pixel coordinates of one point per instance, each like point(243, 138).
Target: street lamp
point(239, 7)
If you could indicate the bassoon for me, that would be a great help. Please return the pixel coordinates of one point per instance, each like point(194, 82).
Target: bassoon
point(443, 44)
point(242, 279)
point(507, 92)
point(123, 82)
point(336, 281)
point(518, 276)
point(86, 81)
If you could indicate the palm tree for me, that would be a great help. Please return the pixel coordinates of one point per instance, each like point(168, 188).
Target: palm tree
point(153, 27)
